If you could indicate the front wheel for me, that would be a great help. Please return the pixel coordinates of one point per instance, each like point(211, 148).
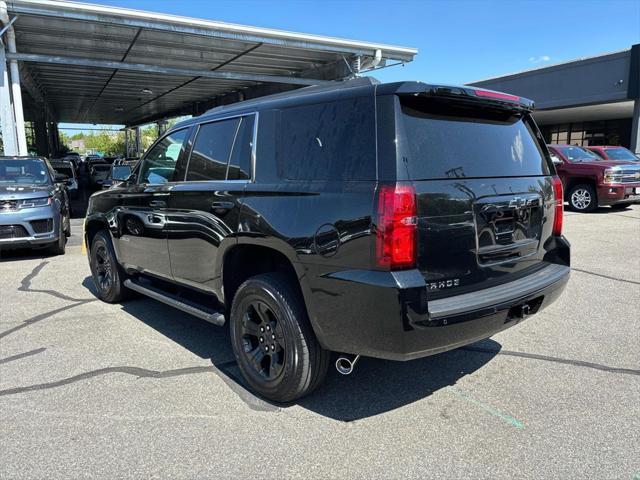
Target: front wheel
point(273, 342)
point(582, 198)
point(59, 247)
point(107, 275)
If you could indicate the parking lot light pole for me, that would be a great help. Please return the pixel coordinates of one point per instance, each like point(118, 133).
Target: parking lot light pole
point(15, 82)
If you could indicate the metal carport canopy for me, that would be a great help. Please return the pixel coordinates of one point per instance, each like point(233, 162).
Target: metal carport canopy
point(87, 63)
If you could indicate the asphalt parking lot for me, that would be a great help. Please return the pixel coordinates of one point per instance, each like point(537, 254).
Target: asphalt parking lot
point(140, 390)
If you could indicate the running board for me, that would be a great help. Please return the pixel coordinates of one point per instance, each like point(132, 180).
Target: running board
point(217, 318)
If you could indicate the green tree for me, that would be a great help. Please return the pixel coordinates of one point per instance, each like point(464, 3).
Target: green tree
point(106, 142)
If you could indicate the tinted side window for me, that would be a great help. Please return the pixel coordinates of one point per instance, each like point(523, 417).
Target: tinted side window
point(160, 163)
point(211, 150)
point(240, 163)
point(329, 141)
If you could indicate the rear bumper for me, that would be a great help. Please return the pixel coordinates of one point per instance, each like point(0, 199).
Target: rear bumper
point(388, 314)
point(611, 194)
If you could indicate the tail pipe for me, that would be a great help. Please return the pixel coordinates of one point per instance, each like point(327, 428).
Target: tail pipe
point(345, 365)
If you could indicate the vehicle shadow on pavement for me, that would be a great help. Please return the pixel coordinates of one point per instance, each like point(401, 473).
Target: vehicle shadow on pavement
point(16, 255)
point(375, 386)
point(378, 386)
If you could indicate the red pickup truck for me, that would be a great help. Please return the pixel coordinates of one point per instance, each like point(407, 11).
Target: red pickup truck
point(614, 152)
point(589, 181)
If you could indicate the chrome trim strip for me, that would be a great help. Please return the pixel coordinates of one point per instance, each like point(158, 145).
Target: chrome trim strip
point(254, 144)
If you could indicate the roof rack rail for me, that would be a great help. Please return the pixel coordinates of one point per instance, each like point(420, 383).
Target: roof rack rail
point(326, 87)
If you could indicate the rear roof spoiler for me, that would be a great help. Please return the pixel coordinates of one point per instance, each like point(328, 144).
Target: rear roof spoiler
point(467, 94)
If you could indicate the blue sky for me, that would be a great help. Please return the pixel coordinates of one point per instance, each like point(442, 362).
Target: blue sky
point(458, 41)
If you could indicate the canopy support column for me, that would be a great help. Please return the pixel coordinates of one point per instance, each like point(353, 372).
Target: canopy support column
point(7, 120)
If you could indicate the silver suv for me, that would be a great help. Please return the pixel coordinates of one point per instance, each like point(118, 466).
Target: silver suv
point(34, 205)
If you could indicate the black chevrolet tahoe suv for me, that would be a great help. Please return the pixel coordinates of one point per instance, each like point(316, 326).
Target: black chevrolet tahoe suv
point(385, 220)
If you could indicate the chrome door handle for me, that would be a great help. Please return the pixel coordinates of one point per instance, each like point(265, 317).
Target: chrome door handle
point(157, 204)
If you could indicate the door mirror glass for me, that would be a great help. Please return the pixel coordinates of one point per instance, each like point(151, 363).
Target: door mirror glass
point(121, 173)
point(555, 160)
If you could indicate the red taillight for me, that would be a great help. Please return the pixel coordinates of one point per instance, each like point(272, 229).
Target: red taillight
point(559, 210)
point(497, 95)
point(397, 227)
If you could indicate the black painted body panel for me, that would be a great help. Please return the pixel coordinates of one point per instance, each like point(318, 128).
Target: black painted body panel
point(327, 231)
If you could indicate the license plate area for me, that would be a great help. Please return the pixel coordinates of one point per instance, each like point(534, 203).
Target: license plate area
point(508, 227)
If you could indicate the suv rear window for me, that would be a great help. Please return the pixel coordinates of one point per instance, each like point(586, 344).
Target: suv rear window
point(449, 140)
point(328, 141)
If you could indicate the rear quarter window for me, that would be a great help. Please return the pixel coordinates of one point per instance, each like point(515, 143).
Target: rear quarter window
point(445, 140)
point(328, 141)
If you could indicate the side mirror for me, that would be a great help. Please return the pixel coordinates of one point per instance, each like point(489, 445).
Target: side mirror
point(60, 178)
point(121, 173)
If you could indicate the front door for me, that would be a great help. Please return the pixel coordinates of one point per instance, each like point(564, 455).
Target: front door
point(142, 215)
point(204, 210)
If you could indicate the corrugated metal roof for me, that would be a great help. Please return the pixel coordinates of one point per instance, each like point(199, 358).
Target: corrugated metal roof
point(49, 30)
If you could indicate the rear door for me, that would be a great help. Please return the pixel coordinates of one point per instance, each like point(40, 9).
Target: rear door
point(205, 207)
point(484, 191)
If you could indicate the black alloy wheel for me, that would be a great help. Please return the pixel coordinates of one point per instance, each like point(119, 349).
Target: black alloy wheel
point(274, 344)
point(108, 276)
point(103, 267)
point(263, 340)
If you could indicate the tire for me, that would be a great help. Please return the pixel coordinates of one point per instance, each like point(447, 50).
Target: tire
point(620, 206)
point(59, 247)
point(108, 276)
point(67, 229)
point(583, 198)
point(291, 363)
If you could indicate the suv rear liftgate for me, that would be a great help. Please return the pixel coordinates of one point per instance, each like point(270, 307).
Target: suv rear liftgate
point(488, 215)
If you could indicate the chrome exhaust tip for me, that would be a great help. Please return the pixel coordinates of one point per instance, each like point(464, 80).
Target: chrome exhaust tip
point(345, 365)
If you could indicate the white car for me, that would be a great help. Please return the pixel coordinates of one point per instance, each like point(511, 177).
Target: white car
point(98, 174)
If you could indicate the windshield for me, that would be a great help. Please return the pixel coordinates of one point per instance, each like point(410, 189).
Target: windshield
point(24, 172)
point(620, 154)
point(579, 154)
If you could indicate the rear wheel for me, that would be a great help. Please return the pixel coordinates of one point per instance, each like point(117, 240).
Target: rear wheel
point(582, 198)
point(274, 344)
point(107, 274)
point(620, 206)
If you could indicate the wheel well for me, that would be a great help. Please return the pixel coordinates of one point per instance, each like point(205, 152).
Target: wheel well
point(573, 181)
point(91, 229)
point(245, 261)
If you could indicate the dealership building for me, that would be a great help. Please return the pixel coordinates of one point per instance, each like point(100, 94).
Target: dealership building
point(590, 101)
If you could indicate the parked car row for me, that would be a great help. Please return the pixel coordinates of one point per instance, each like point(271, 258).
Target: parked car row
point(67, 168)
